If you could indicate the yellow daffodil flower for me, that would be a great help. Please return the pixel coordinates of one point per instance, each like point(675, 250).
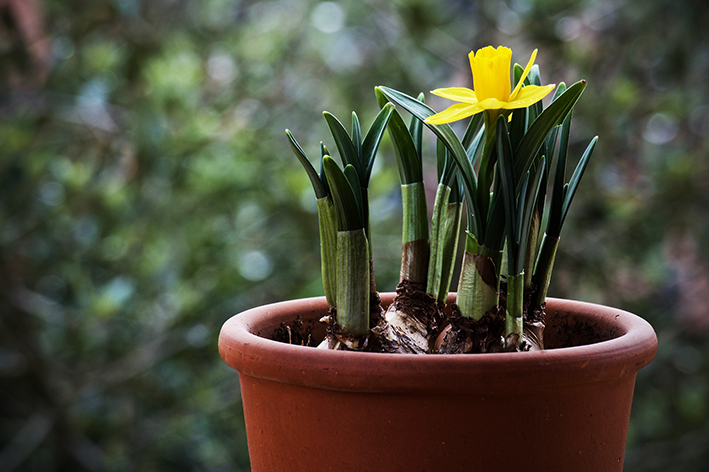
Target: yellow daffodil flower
point(491, 80)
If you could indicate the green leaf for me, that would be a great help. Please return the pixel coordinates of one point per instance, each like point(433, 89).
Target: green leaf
point(446, 166)
point(495, 227)
point(517, 71)
point(327, 225)
point(534, 78)
point(457, 191)
point(320, 190)
point(408, 160)
point(451, 141)
point(442, 161)
point(539, 130)
point(473, 130)
point(519, 215)
point(348, 153)
point(544, 184)
point(509, 184)
point(550, 143)
point(560, 89)
point(474, 150)
point(557, 196)
point(347, 209)
point(381, 98)
point(353, 179)
point(518, 126)
point(323, 152)
point(356, 134)
point(374, 138)
point(576, 177)
point(416, 129)
point(353, 276)
point(529, 203)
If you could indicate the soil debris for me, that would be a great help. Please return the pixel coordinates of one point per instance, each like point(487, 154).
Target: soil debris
point(294, 333)
point(469, 336)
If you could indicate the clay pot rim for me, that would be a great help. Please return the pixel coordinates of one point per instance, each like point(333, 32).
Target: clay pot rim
point(633, 347)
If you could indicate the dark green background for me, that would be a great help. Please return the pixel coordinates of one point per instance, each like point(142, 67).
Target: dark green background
point(147, 193)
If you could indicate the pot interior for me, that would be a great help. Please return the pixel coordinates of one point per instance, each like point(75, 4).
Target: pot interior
point(563, 328)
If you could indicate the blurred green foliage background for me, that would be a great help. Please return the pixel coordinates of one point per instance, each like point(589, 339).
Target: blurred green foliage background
point(148, 193)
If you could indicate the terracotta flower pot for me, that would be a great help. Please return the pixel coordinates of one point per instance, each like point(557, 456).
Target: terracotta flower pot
point(563, 409)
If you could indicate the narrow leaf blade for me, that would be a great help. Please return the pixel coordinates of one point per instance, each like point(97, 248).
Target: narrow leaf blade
point(347, 210)
point(539, 130)
point(320, 190)
point(374, 138)
point(348, 153)
point(416, 128)
point(506, 173)
point(356, 134)
point(576, 177)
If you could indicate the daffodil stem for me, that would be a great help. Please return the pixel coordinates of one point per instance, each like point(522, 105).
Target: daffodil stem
point(486, 171)
point(531, 252)
point(353, 281)
point(545, 265)
point(515, 305)
point(327, 222)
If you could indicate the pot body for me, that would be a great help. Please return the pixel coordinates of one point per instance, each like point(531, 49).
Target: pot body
point(561, 409)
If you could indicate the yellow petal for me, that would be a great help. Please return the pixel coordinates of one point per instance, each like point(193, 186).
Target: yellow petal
point(454, 113)
point(513, 95)
point(491, 72)
point(459, 94)
point(529, 95)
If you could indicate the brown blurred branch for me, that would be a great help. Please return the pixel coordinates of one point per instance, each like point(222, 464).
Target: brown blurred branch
point(26, 22)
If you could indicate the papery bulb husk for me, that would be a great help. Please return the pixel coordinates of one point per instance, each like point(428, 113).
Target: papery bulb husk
point(415, 316)
point(533, 336)
point(407, 331)
point(533, 329)
point(388, 338)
